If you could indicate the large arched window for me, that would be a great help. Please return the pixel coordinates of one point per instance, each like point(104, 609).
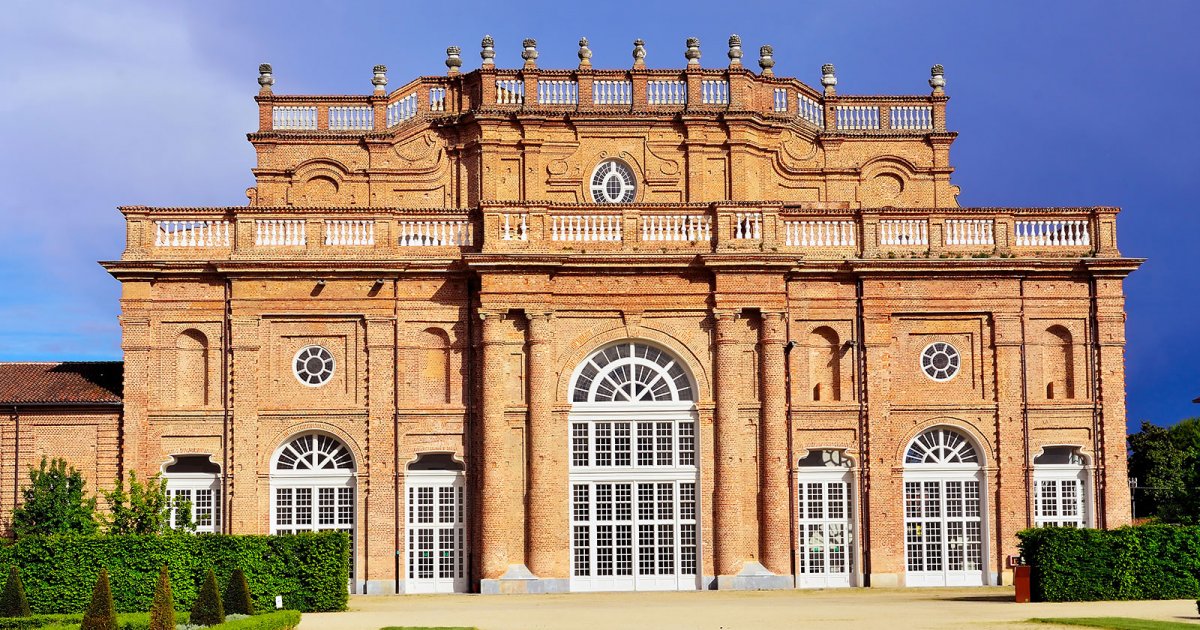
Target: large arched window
point(633, 472)
point(313, 488)
point(944, 529)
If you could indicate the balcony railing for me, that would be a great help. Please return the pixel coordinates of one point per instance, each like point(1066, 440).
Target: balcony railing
point(818, 233)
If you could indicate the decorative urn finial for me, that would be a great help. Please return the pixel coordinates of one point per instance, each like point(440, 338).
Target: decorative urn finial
point(639, 53)
point(379, 79)
point(530, 54)
point(735, 51)
point(828, 78)
point(585, 53)
point(937, 79)
point(693, 51)
point(488, 52)
point(266, 78)
point(766, 60)
point(453, 59)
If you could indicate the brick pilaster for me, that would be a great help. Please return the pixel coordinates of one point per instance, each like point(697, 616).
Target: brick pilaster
point(547, 539)
point(776, 509)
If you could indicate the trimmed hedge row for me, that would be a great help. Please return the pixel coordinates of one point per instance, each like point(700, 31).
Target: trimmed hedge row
point(277, 620)
point(309, 570)
point(1143, 562)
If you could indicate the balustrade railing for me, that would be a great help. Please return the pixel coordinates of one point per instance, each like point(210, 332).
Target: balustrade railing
point(810, 110)
point(714, 92)
point(910, 117)
point(903, 232)
point(857, 117)
point(288, 117)
point(510, 91)
point(435, 233)
point(351, 118)
point(747, 225)
point(515, 227)
point(780, 100)
point(970, 232)
point(558, 92)
point(817, 233)
point(1051, 233)
point(402, 110)
point(606, 92)
point(676, 227)
point(191, 233)
point(666, 92)
point(280, 232)
point(437, 99)
point(585, 227)
point(351, 232)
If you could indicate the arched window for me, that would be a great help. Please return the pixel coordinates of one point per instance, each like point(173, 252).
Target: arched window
point(435, 527)
point(633, 472)
point(191, 368)
point(631, 372)
point(435, 366)
point(195, 479)
point(313, 488)
point(1058, 363)
point(825, 522)
point(613, 182)
point(825, 364)
point(944, 532)
point(1060, 488)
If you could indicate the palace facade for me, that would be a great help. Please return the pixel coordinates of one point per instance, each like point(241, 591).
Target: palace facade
point(540, 330)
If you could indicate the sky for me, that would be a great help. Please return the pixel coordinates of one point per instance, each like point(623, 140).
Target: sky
point(1058, 103)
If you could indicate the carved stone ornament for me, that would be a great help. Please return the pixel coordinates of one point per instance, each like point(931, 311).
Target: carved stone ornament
point(937, 78)
point(488, 52)
point(693, 51)
point(766, 58)
point(265, 76)
point(453, 59)
point(379, 79)
point(828, 76)
point(585, 53)
point(530, 52)
point(639, 53)
point(735, 50)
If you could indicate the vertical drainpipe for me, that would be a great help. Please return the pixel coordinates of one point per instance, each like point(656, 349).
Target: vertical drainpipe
point(397, 535)
point(787, 391)
point(1100, 482)
point(864, 443)
point(469, 424)
point(16, 418)
point(226, 403)
point(1029, 507)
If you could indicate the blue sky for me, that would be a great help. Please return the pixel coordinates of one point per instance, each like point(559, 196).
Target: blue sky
point(1057, 103)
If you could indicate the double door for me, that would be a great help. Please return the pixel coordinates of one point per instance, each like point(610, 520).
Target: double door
point(823, 558)
point(435, 534)
point(943, 532)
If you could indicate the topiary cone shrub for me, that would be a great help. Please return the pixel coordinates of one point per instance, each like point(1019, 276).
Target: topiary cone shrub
point(237, 595)
point(100, 614)
point(208, 611)
point(162, 611)
point(12, 601)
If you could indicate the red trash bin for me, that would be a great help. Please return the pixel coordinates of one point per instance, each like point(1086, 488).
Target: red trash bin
point(1021, 578)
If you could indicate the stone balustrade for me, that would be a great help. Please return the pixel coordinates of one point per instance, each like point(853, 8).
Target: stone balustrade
point(814, 231)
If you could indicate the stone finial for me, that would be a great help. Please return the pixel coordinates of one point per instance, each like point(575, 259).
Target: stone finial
point(585, 53)
point(937, 79)
point(766, 60)
point(693, 51)
point(453, 59)
point(488, 52)
point(266, 78)
point(829, 78)
point(735, 51)
point(530, 54)
point(379, 80)
point(639, 53)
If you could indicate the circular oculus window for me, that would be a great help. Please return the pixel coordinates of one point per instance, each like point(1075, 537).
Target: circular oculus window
point(313, 366)
point(940, 361)
point(613, 182)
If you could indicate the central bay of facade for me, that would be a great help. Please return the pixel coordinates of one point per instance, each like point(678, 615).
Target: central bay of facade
point(547, 330)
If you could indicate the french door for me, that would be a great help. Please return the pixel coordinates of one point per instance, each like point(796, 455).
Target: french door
point(435, 533)
point(824, 529)
point(943, 532)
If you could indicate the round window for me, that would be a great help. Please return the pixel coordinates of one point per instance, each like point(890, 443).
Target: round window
point(313, 366)
point(613, 182)
point(940, 361)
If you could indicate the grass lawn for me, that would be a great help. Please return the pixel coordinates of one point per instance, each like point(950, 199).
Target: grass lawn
point(1118, 623)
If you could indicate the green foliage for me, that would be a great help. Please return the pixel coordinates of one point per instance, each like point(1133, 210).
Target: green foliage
point(207, 610)
point(183, 515)
point(144, 509)
point(12, 601)
point(237, 595)
point(1166, 462)
point(1117, 623)
point(1144, 562)
point(278, 620)
point(162, 611)
point(308, 570)
point(100, 615)
point(54, 502)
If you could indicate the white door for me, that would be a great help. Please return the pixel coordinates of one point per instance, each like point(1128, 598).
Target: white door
point(824, 531)
point(943, 533)
point(435, 533)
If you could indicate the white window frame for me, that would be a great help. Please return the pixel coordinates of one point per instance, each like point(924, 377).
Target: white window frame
point(455, 481)
point(187, 484)
point(826, 475)
point(630, 187)
point(1060, 474)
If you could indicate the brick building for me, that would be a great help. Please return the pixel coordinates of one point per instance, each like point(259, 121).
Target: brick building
point(543, 330)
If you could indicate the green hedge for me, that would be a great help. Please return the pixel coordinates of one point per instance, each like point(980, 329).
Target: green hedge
point(1144, 562)
point(309, 570)
point(277, 620)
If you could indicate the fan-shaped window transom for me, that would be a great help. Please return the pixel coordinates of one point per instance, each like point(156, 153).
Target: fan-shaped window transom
point(941, 446)
point(632, 372)
point(316, 452)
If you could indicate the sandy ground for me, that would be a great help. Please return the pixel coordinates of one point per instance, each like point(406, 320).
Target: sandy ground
point(974, 609)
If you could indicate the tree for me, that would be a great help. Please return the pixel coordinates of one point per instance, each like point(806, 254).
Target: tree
point(208, 611)
point(183, 514)
point(237, 595)
point(162, 611)
point(1166, 464)
point(12, 601)
point(144, 509)
point(100, 615)
point(55, 502)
